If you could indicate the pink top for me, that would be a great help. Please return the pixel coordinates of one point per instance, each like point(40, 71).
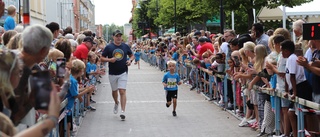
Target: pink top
point(198, 48)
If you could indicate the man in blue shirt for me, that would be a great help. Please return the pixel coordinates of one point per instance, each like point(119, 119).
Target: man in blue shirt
point(9, 23)
point(116, 54)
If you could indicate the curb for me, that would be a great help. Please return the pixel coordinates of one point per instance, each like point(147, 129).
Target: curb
point(216, 103)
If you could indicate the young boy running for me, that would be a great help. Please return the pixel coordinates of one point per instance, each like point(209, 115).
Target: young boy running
point(170, 81)
point(137, 55)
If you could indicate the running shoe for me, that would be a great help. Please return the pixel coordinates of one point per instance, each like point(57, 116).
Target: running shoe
point(174, 113)
point(244, 122)
point(122, 116)
point(115, 109)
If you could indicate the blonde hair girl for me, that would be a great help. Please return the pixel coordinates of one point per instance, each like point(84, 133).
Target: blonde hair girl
point(261, 53)
point(10, 64)
point(10, 69)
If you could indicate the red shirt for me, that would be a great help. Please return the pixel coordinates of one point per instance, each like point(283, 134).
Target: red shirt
point(204, 48)
point(81, 52)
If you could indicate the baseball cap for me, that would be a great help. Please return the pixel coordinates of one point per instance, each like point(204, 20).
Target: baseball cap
point(203, 39)
point(197, 33)
point(89, 39)
point(115, 33)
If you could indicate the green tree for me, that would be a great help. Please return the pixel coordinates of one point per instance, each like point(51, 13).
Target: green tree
point(125, 38)
point(188, 12)
point(140, 19)
point(109, 29)
point(191, 12)
point(244, 10)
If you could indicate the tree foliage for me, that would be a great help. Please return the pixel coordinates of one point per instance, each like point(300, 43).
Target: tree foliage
point(109, 29)
point(191, 12)
point(244, 10)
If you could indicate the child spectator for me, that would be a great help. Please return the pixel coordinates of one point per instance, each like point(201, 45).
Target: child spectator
point(280, 70)
point(53, 55)
point(9, 23)
point(230, 71)
point(76, 72)
point(193, 73)
point(296, 83)
point(170, 81)
point(205, 63)
point(137, 55)
point(92, 72)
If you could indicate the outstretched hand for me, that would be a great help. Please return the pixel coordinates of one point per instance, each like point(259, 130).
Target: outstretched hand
point(302, 61)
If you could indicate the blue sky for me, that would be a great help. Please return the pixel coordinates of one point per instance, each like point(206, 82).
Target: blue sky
point(112, 11)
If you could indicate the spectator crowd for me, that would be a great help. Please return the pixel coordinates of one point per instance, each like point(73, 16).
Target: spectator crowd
point(232, 68)
point(41, 66)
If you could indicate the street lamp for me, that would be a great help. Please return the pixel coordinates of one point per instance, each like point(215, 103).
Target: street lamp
point(221, 17)
point(175, 16)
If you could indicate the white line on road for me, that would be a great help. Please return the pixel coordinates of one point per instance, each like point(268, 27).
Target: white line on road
point(136, 83)
point(153, 101)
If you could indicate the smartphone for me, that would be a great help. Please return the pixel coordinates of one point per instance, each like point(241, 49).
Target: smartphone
point(61, 67)
point(40, 82)
point(236, 61)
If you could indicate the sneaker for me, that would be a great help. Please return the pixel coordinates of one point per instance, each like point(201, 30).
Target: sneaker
point(91, 108)
point(262, 134)
point(122, 116)
point(174, 113)
point(193, 87)
point(251, 121)
point(92, 101)
point(243, 122)
point(167, 105)
point(115, 109)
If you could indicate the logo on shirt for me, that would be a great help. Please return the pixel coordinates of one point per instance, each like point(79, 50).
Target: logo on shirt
point(118, 54)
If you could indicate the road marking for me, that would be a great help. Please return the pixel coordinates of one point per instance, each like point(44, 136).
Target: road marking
point(153, 101)
point(107, 83)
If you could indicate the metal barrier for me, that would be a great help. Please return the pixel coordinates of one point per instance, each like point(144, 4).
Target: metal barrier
point(78, 111)
point(222, 88)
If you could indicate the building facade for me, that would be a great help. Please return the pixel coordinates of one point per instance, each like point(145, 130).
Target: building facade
point(79, 14)
point(38, 12)
point(60, 11)
point(7, 3)
point(127, 29)
point(99, 31)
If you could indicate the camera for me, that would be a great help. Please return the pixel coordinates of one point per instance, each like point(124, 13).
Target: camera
point(41, 85)
point(61, 67)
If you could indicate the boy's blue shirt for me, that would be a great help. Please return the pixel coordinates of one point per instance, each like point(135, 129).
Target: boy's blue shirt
point(137, 55)
point(175, 56)
point(171, 80)
point(9, 23)
point(72, 93)
point(90, 68)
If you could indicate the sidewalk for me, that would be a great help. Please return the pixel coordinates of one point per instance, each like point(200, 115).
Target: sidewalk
point(147, 115)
